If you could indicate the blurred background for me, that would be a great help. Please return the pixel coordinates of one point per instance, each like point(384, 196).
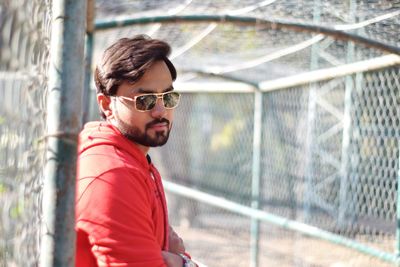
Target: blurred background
point(285, 146)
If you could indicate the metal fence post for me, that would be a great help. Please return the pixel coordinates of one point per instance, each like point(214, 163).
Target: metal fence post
point(255, 185)
point(64, 108)
point(88, 61)
point(310, 146)
point(345, 180)
point(398, 209)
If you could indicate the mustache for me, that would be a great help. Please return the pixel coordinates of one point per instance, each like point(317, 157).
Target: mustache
point(148, 125)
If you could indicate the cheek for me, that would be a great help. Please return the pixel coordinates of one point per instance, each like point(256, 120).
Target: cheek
point(123, 110)
point(131, 116)
point(139, 120)
point(170, 116)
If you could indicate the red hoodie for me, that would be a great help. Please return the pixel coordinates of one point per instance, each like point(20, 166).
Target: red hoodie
point(121, 213)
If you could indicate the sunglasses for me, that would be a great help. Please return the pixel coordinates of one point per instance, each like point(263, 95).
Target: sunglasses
point(147, 102)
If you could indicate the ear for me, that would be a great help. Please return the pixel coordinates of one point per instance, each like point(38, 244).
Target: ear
point(104, 103)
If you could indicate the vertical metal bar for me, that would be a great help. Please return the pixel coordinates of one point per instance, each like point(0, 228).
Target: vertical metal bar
point(255, 185)
point(310, 145)
point(344, 178)
point(87, 96)
point(398, 208)
point(309, 152)
point(201, 116)
point(87, 93)
point(345, 155)
point(63, 123)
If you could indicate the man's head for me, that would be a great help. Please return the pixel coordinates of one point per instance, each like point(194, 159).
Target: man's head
point(130, 73)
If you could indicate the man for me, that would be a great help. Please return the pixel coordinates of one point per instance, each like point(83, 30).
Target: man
point(121, 213)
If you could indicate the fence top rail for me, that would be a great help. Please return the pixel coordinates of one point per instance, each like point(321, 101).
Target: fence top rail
point(331, 73)
point(337, 33)
point(232, 86)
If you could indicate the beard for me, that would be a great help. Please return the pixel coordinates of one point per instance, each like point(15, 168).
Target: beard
point(143, 137)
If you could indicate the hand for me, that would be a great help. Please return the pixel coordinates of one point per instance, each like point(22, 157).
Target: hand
point(175, 242)
point(171, 259)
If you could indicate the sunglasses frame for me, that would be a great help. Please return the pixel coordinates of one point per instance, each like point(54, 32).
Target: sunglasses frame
point(158, 95)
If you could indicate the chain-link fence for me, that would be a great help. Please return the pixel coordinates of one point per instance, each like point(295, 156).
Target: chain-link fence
point(327, 162)
point(256, 125)
point(329, 150)
point(24, 42)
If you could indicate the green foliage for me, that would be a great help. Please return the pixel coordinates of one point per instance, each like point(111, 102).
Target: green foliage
point(17, 211)
point(226, 138)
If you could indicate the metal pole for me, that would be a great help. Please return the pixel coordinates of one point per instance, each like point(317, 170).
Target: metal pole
point(345, 158)
point(63, 123)
point(398, 208)
point(255, 185)
point(87, 92)
point(311, 145)
point(88, 61)
point(326, 74)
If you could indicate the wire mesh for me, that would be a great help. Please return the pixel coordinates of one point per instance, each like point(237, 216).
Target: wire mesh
point(329, 150)
point(307, 173)
point(25, 33)
point(350, 190)
point(378, 20)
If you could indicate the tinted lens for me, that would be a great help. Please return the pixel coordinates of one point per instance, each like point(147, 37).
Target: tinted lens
point(171, 99)
point(146, 102)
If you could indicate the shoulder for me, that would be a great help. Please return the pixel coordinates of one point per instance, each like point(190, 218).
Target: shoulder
point(107, 170)
point(101, 159)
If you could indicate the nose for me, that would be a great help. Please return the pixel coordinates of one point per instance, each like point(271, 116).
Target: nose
point(159, 110)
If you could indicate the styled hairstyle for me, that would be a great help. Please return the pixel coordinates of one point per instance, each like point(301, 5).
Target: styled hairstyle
point(127, 60)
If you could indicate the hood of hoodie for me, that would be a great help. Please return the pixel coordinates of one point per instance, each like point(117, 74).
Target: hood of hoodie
point(99, 133)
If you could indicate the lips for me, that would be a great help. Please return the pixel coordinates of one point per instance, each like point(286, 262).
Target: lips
point(159, 125)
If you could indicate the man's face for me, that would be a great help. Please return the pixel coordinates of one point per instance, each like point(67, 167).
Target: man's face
point(149, 128)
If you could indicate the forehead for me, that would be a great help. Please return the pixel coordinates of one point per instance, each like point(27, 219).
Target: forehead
point(155, 80)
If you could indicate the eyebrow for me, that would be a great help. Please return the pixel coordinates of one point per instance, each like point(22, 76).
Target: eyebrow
point(150, 91)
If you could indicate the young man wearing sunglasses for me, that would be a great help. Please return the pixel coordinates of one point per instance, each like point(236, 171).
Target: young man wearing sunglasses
point(121, 212)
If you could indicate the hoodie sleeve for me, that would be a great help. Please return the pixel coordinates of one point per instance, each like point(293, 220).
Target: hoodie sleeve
point(115, 211)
